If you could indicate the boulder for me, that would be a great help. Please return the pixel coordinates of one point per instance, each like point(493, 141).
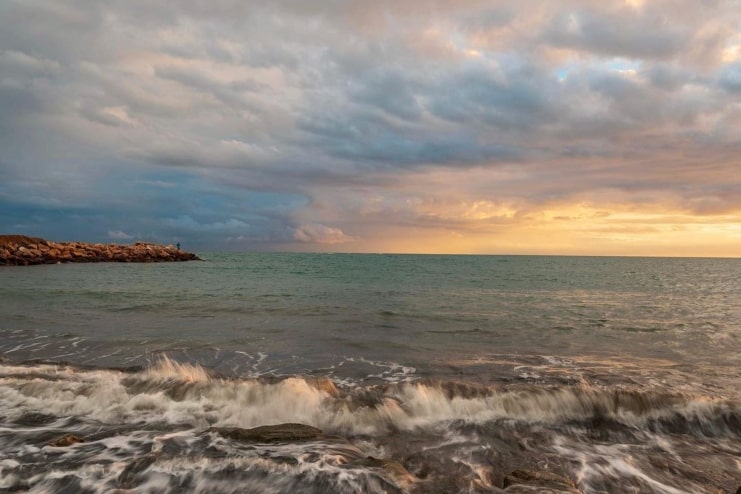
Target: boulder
point(21, 250)
point(270, 433)
point(66, 440)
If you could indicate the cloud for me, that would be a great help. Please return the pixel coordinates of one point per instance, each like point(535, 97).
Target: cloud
point(316, 233)
point(119, 235)
point(626, 33)
point(730, 78)
point(391, 120)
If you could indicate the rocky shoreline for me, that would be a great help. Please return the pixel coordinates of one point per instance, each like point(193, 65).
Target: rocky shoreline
point(20, 250)
point(517, 481)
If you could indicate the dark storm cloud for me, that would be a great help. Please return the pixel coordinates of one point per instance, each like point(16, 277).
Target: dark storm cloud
point(509, 98)
point(391, 93)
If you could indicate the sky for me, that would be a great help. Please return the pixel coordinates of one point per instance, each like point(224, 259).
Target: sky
point(478, 127)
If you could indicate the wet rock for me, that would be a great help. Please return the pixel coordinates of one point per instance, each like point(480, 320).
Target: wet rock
point(271, 433)
point(395, 469)
point(66, 440)
point(543, 481)
point(35, 419)
point(440, 470)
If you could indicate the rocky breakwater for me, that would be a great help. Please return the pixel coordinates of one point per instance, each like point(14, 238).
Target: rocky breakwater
point(19, 250)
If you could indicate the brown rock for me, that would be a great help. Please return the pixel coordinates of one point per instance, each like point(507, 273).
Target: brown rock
point(17, 240)
point(66, 440)
point(22, 250)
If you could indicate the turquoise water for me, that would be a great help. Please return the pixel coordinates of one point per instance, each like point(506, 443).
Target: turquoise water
point(548, 345)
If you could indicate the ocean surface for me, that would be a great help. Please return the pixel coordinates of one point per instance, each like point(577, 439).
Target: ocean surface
point(425, 374)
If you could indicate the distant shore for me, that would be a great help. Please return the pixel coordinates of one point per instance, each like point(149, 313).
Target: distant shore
point(20, 250)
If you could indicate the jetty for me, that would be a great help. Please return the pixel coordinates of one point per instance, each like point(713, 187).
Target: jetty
point(21, 250)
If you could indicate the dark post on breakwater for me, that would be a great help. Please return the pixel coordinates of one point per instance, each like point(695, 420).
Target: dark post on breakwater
point(20, 250)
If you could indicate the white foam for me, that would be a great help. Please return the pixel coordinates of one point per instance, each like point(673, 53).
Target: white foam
point(391, 372)
point(15, 349)
point(8, 480)
point(169, 369)
point(186, 394)
point(613, 463)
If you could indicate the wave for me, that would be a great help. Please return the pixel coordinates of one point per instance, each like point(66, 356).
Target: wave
point(174, 427)
point(193, 396)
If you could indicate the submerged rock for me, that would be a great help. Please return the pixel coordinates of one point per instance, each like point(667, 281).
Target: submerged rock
point(388, 469)
point(271, 433)
point(395, 469)
point(19, 250)
point(66, 440)
point(35, 419)
point(543, 481)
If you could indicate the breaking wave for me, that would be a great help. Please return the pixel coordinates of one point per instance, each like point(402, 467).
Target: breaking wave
point(190, 395)
point(175, 427)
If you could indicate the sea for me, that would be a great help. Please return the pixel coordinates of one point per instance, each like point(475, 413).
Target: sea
point(411, 374)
